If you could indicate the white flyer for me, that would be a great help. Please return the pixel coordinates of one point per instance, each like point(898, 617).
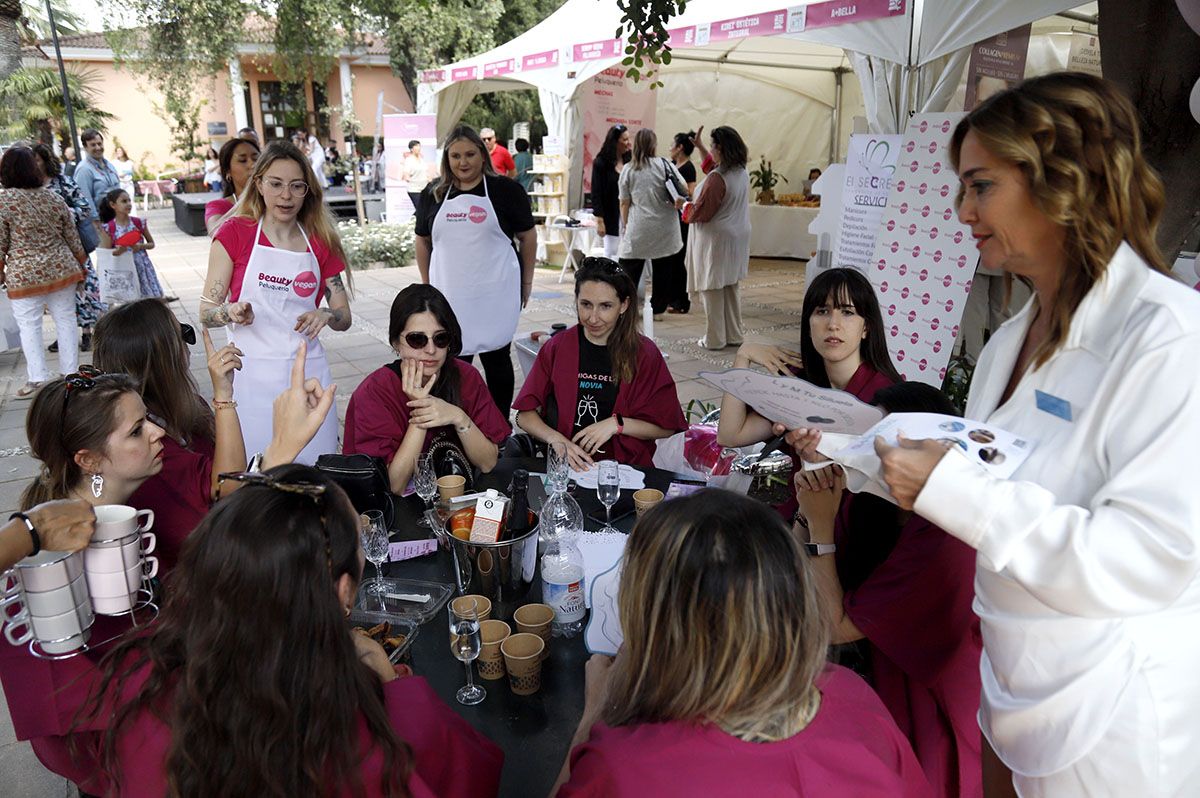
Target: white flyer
point(631, 478)
point(794, 402)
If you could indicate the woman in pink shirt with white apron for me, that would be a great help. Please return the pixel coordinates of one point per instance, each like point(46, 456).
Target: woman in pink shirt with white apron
point(268, 267)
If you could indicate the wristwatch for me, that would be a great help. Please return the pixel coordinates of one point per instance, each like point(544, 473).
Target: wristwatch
point(820, 549)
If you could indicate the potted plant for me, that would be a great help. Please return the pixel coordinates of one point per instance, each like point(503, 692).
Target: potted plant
point(764, 178)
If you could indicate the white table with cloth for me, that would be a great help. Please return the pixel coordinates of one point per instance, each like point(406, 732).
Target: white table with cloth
point(780, 231)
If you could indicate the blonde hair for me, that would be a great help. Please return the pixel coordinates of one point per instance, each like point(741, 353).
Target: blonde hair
point(445, 174)
point(721, 618)
point(1076, 139)
point(645, 145)
point(314, 217)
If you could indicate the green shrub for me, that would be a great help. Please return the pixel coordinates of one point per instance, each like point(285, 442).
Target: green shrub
point(392, 244)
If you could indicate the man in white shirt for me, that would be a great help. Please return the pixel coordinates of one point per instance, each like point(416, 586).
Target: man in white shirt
point(316, 156)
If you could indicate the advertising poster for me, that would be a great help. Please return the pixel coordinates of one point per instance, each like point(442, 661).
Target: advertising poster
point(1084, 55)
point(924, 257)
point(870, 175)
point(996, 64)
point(398, 130)
point(611, 99)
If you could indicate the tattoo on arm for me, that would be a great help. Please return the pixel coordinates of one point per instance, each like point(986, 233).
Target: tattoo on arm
point(334, 285)
point(338, 318)
point(215, 317)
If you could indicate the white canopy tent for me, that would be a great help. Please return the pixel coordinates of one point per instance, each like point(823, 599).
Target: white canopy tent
point(787, 93)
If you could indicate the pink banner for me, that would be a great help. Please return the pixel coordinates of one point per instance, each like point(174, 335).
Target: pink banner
point(768, 23)
point(499, 68)
point(590, 51)
point(433, 76)
point(464, 73)
point(610, 100)
point(843, 12)
point(540, 60)
point(683, 37)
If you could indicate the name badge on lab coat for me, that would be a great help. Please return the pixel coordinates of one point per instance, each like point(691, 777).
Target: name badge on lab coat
point(1053, 405)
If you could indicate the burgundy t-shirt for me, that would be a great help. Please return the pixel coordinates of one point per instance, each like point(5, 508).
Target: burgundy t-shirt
point(237, 236)
point(180, 495)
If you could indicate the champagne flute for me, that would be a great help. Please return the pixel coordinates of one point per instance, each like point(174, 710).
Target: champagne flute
point(425, 482)
point(608, 489)
point(375, 547)
point(465, 645)
point(557, 469)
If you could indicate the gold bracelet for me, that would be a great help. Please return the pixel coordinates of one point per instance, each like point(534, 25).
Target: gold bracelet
point(224, 404)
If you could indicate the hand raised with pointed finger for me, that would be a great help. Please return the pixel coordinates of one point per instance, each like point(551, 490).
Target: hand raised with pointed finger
point(221, 365)
point(298, 412)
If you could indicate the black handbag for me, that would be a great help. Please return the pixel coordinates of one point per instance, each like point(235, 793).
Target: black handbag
point(365, 480)
point(449, 459)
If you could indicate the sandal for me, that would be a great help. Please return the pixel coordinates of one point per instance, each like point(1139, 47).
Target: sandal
point(28, 389)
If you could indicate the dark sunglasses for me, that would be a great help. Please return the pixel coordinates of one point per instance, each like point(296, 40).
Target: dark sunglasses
point(188, 332)
point(82, 380)
point(603, 264)
point(417, 340)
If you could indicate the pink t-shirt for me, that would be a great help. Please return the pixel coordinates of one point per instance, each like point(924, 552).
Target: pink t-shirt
point(851, 748)
point(217, 207)
point(237, 236)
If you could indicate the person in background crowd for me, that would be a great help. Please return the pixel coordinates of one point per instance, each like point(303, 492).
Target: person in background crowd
point(649, 219)
point(379, 168)
point(279, 234)
point(614, 154)
point(718, 254)
point(69, 163)
point(117, 224)
point(316, 156)
point(524, 162)
point(427, 393)
point(212, 170)
point(416, 172)
point(250, 134)
point(236, 162)
point(65, 525)
point(88, 307)
point(95, 175)
point(749, 706)
point(41, 263)
point(465, 230)
point(707, 164)
point(502, 160)
point(125, 168)
point(600, 388)
point(676, 266)
point(813, 175)
point(898, 591)
point(332, 159)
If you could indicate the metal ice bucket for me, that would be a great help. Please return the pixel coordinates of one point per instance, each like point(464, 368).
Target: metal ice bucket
point(502, 571)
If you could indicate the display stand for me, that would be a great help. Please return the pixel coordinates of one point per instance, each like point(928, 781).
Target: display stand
point(144, 611)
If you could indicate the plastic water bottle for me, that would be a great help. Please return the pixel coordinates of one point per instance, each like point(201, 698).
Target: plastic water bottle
point(562, 586)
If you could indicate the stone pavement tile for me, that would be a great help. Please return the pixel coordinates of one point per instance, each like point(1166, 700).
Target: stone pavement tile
point(695, 389)
point(10, 496)
point(23, 775)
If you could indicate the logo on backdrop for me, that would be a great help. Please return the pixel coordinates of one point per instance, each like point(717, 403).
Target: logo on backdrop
point(477, 214)
point(305, 284)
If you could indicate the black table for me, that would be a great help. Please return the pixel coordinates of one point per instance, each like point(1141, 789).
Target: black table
point(189, 208)
point(534, 731)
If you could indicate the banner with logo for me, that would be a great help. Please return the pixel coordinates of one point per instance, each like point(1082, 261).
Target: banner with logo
point(996, 64)
point(610, 99)
point(924, 257)
point(870, 174)
point(398, 131)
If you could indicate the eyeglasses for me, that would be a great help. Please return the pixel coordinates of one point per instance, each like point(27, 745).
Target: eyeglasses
point(275, 186)
point(188, 333)
point(417, 340)
point(314, 492)
point(488, 138)
point(603, 264)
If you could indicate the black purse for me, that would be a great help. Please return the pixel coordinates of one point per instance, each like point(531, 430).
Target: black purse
point(365, 480)
point(449, 459)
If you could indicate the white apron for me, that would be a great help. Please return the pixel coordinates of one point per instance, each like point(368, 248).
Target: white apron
point(474, 264)
point(279, 285)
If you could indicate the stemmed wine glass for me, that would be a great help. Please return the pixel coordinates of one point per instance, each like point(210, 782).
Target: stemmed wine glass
point(465, 645)
point(375, 547)
point(557, 468)
point(425, 481)
point(608, 489)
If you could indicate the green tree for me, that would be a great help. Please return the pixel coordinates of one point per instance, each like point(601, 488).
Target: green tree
point(34, 95)
point(35, 24)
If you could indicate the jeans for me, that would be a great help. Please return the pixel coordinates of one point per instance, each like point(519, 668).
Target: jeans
point(28, 313)
point(498, 372)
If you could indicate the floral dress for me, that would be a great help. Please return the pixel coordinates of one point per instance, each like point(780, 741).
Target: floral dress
point(147, 277)
point(88, 307)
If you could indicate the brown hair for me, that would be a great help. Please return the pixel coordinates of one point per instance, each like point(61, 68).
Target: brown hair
point(1075, 137)
point(722, 621)
point(58, 428)
point(143, 339)
point(225, 162)
point(645, 144)
point(624, 343)
point(446, 175)
point(734, 153)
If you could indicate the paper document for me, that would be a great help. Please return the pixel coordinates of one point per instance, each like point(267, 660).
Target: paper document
point(631, 478)
point(794, 402)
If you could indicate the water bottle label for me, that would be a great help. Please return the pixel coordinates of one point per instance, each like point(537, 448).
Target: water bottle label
point(566, 599)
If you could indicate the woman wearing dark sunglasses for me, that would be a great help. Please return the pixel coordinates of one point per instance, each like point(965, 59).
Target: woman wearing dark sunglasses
point(399, 410)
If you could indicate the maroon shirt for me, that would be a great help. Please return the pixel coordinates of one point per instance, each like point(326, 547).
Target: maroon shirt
point(915, 610)
point(377, 416)
point(851, 748)
point(179, 495)
point(649, 397)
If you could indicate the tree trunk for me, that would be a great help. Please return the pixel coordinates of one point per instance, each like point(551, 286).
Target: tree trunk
point(1151, 53)
point(10, 38)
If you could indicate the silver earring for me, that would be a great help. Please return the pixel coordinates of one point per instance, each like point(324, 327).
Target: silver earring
point(97, 485)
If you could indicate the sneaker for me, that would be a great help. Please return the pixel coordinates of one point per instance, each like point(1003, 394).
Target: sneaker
point(85, 343)
point(53, 347)
point(170, 299)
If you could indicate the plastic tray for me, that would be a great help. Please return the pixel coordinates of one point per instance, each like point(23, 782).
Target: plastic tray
point(402, 624)
point(389, 607)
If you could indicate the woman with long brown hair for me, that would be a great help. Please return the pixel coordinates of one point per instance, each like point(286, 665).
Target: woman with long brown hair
point(721, 686)
point(236, 161)
point(269, 266)
point(601, 388)
point(1086, 576)
point(206, 699)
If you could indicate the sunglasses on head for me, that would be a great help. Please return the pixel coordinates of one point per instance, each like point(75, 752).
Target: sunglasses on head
point(603, 264)
point(418, 340)
point(82, 380)
point(314, 492)
point(188, 333)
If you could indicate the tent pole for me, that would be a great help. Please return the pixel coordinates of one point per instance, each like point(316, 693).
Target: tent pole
point(835, 124)
point(741, 62)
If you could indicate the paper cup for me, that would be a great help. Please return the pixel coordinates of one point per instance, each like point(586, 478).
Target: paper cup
point(646, 498)
point(491, 661)
point(451, 486)
point(535, 619)
point(523, 659)
point(483, 605)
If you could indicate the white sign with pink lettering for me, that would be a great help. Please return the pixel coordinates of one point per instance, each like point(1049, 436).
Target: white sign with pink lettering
point(924, 257)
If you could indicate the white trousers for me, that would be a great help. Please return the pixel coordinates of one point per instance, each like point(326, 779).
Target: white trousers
point(28, 313)
point(611, 245)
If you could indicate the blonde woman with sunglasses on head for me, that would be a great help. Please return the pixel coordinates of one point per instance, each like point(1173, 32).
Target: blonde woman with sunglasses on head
point(269, 265)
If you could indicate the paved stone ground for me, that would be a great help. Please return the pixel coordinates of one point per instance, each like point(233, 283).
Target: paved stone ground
point(771, 299)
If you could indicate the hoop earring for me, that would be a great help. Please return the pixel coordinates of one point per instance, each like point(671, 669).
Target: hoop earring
point(97, 485)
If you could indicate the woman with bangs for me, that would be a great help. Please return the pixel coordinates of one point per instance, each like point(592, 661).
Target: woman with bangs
point(399, 410)
point(270, 264)
point(601, 389)
point(721, 686)
point(171, 712)
point(1088, 554)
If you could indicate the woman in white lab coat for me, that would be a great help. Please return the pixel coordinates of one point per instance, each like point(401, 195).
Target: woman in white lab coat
point(1086, 582)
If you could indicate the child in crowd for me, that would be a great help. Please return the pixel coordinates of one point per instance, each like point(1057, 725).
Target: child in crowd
point(123, 233)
